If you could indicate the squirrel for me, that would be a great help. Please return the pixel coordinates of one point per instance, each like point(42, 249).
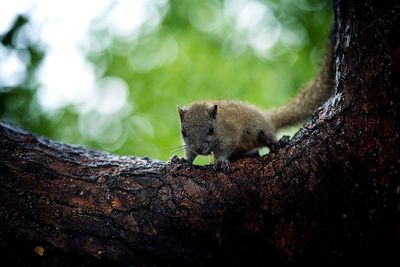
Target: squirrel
point(231, 129)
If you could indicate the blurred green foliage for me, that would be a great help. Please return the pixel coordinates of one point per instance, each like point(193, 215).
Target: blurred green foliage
point(196, 52)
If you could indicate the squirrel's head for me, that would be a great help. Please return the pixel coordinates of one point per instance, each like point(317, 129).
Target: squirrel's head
point(198, 122)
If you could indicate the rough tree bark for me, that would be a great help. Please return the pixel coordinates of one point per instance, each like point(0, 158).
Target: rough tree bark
point(330, 194)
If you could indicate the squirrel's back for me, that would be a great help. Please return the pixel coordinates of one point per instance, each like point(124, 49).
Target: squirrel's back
point(239, 114)
point(246, 126)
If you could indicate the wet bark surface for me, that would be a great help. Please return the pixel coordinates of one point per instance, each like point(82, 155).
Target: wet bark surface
point(330, 194)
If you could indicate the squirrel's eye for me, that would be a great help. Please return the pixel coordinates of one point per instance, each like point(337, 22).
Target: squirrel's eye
point(211, 131)
point(183, 133)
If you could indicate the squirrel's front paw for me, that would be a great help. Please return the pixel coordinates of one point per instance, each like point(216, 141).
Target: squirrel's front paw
point(222, 164)
point(177, 160)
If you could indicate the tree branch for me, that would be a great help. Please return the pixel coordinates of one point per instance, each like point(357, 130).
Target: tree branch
point(112, 207)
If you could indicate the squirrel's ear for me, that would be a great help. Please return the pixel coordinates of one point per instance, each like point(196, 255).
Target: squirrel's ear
point(213, 111)
point(181, 112)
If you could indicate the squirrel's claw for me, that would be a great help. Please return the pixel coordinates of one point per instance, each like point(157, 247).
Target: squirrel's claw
point(177, 160)
point(221, 164)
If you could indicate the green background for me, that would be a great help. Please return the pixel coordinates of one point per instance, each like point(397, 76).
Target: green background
point(195, 53)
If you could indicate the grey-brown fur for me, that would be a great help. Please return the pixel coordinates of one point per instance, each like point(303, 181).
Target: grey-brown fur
point(231, 129)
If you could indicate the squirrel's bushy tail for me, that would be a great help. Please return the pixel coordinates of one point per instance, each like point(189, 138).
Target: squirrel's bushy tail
point(310, 97)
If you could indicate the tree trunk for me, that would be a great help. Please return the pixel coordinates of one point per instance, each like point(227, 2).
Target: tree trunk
point(330, 194)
